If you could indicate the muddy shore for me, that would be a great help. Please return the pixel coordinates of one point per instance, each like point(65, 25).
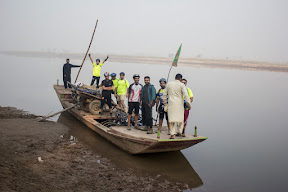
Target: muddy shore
point(39, 156)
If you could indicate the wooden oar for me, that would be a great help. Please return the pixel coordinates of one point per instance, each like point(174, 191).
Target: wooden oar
point(44, 118)
point(87, 51)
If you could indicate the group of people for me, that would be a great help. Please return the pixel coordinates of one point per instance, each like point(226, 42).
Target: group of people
point(168, 99)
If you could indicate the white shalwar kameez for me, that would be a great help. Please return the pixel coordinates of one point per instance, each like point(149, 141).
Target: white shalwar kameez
point(173, 94)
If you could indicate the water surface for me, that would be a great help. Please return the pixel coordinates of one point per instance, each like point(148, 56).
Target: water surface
point(243, 114)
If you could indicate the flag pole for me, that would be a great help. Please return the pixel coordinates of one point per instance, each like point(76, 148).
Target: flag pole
point(169, 73)
point(174, 63)
point(87, 51)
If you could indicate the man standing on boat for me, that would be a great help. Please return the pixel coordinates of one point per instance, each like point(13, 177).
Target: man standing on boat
point(148, 96)
point(67, 72)
point(160, 103)
point(114, 79)
point(186, 111)
point(120, 90)
point(107, 86)
point(97, 70)
point(174, 93)
point(134, 100)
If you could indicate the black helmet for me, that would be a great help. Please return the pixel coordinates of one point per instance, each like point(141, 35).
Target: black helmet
point(113, 74)
point(97, 60)
point(122, 73)
point(136, 75)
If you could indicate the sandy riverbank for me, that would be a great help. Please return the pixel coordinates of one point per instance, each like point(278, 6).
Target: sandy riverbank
point(193, 62)
point(65, 167)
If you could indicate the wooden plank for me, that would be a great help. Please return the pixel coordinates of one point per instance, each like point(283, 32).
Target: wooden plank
point(44, 118)
point(163, 135)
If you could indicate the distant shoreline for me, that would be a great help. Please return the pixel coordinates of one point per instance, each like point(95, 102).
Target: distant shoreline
point(193, 62)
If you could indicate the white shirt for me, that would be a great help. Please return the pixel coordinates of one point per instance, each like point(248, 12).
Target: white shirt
point(135, 91)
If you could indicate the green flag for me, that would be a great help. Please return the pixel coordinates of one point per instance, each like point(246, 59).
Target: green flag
point(177, 57)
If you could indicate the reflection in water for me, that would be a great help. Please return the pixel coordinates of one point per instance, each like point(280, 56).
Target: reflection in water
point(172, 165)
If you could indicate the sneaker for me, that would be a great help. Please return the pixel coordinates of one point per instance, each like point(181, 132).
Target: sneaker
point(129, 128)
point(146, 128)
point(139, 128)
point(183, 135)
point(150, 131)
point(178, 135)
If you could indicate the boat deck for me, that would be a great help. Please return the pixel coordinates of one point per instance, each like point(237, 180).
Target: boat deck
point(143, 134)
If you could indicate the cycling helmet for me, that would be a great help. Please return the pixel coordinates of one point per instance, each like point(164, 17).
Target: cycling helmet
point(122, 73)
point(113, 74)
point(136, 75)
point(162, 79)
point(97, 60)
point(106, 74)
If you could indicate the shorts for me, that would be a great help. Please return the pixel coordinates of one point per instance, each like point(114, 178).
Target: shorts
point(107, 100)
point(162, 113)
point(135, 106)
point(120, 97)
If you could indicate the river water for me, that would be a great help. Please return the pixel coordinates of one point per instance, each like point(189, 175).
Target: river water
point(244, 114)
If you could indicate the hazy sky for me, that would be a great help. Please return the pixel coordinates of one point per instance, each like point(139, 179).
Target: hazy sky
point(238, 29)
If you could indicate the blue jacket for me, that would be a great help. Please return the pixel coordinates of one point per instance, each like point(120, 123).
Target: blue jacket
point(151, 93)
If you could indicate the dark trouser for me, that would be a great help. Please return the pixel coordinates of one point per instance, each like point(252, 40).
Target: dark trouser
point(147, 115)
point(106, 99)
point(162, 113)
point(65, 79)
point(186, 115)
point(97, 80)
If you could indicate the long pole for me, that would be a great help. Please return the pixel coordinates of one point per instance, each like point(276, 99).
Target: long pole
point(44, 118)
point(87, 51)
point(169, 73)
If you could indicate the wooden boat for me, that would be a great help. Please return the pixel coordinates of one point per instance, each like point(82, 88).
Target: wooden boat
point(134, 141)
